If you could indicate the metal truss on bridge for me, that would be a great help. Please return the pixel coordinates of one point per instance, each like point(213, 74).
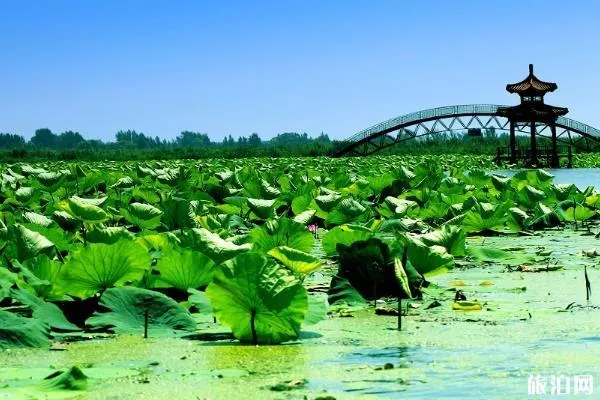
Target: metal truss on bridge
point(460, 118)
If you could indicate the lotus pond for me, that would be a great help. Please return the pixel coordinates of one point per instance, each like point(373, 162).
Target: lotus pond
point(282, 278)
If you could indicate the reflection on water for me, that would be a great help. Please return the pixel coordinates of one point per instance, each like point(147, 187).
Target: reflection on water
point(580, 177)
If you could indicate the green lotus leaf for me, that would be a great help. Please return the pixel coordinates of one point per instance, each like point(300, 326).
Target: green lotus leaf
point(143, 215)
point(428, 260)
point(30, 243)
point(212, 245)
point(342, 235)
point(38, 219)
point(101, 266)
point(48, 313)
point(85, 211)
point(129, 307)
point(282, 232)
point(451, 237)
point(259, 300)
point(24, 194)
point(262, 208)
point(184, 269)
point(62, 383)
point(305, 217)
point(299, 262)
point(341, 293)
point(268, 191)
point(579, 213)
point(123, 183)
point(108, 235)
point(17, 331)
point(402, 277)
point(487, 254)
point(327, 202)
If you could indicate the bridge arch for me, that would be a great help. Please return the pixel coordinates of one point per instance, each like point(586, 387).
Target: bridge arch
point(458, 118)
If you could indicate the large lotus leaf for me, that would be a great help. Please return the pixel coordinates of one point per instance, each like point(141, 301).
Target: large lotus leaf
point(41, 274)
point(327, 202)
point(38, 219)
point(129, 307)
point(299, 262)
point(262, 208)
point(402, 277)
point(305, 217)
point(123, 183)
point(17, 331)
point(100, 266)
point(348, 210)
point(529, 196)
point(212, 245)
point(184, 269)
point(108, 235)
point(49, 179)
point(259, 300)
point(61, 383)
point(341, 293)
point(24, 194)
point(65, 220)
point(48, 313)
point(269, 191)
point(579, 213)
point(342, 235)
point(84, 210)
point(428, 260)
point(30, 243)
point(367, 266)
point(143, 215)
point(483, 220)
point(488, 254)
point(282, 232)
point(179, 213)
point(450, 237)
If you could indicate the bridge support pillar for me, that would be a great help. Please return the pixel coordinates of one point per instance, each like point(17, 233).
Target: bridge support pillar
point(512, 144)
point(534, 159)
point(554, 162)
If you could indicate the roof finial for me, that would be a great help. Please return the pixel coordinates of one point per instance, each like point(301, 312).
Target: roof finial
point(531, 69)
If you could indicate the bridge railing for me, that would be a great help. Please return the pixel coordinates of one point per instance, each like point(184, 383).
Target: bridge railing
point(422, 115)
point(466, 109)
point(578, 126)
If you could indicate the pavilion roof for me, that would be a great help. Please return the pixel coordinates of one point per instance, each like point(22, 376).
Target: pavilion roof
point(537, 111)
point(531, 84)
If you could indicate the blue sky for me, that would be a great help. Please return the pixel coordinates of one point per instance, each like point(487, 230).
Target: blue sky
point(237, 67)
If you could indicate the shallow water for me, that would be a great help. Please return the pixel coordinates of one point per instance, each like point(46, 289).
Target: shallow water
point(439, 354)
point(580, 177)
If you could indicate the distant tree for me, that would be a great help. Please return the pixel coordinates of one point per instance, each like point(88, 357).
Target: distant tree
point(11, 141)
point(254, 140)
point(69, 140)
point(192, 139)
point(44, 138)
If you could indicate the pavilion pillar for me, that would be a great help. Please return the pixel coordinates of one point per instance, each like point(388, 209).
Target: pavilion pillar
point(554, 162)
point(534, 160)
point(512, 144)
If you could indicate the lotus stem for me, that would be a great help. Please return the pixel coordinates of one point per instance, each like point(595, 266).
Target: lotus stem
point(399, 312)
point(146, 323)
point(253, 328)
point(588, 285)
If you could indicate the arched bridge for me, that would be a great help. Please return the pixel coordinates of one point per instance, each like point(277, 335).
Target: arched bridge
point(458, 118)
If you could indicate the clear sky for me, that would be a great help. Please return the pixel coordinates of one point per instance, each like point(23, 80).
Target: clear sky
point(237, 67)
